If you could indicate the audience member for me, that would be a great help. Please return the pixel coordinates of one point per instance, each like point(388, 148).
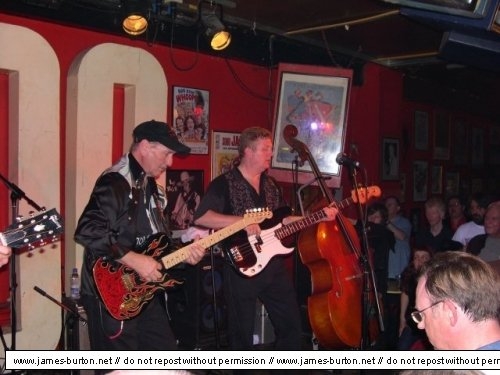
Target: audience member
point(456, 212)
point(458, 302)
point(477, 208)
point(410, 336)
point(124, 210)
point(487, 246)
point(436, 235)
point(401, 227)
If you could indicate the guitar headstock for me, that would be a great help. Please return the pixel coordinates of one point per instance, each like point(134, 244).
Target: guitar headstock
point(37, 230)
point(257, 215)
point(366, 193)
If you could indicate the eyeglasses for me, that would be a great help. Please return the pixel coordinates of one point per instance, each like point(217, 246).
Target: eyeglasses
point(418, 317)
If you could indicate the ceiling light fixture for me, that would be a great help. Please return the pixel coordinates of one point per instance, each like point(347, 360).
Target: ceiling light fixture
point(135, 21)
point(215, 30)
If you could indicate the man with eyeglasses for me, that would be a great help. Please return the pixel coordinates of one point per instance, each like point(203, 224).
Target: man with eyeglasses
point(458, 302)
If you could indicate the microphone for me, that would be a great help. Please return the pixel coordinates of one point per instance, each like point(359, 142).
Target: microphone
point(343, 159)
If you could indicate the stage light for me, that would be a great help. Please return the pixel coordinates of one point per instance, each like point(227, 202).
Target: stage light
point(215, 30)
point(135, 21)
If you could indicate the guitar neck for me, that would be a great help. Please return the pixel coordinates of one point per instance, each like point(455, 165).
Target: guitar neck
point(316, 217)
point(182, 254)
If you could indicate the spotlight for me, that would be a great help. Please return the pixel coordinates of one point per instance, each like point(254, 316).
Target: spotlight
point(135, 21)
point(215, 31)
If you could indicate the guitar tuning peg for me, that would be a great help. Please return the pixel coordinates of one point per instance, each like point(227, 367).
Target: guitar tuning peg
point(32, 213)
point(19, 218)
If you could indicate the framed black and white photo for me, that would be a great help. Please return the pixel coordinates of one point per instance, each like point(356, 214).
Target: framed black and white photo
point(441, 136)
point(390, 159)
point(420, 180)
point(421, 123)
point(436, 179)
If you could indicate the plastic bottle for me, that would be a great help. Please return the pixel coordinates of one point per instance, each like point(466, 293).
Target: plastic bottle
point(75, 284)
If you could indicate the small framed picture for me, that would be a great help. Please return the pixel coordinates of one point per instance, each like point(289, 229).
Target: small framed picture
point(184, 190)
point(442, 136)
point(452, 183)
point(224, 152)
point(390, 159)
point(421, 130)
point(436, 179)
point(402, 187)
point(420, 178)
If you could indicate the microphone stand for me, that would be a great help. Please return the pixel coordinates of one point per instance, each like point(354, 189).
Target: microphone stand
point(214, 299)
point(368, 275)
point(16, 195)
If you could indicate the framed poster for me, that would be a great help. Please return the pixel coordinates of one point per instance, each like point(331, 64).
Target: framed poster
point(313, 100)
point(420, 173)
point(421, 123)
point(184, 190)
point(224, 151)
point(436, 179)
point(390, 159)
point(191, 109)
point(441, 136)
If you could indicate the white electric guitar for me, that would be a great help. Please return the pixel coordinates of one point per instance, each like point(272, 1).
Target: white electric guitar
point(251, 255)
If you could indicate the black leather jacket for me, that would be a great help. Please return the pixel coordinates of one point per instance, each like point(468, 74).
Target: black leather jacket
point(117, 217)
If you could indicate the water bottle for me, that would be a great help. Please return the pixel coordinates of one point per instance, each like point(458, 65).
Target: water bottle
point(75, 284)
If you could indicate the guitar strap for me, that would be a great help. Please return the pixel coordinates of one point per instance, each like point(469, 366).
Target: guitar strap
point(157, 212)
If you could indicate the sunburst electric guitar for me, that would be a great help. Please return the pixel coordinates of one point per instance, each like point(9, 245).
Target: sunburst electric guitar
point(35, 231)
point(251, 255)
point(125, 293)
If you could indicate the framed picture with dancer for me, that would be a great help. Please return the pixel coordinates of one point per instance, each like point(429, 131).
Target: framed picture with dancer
point(184, 190)
point(314, 101)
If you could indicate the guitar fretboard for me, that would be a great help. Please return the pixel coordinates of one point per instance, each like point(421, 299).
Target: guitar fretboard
point(288, 229)
point(182, 254)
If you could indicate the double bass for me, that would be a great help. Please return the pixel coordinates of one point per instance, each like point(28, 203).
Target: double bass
point(332, 252)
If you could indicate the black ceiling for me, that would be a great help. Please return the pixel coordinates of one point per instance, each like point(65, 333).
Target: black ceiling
point(446, 58)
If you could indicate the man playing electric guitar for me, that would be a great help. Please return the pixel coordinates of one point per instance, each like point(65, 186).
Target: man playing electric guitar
point(124, 211)
point(225, 201)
